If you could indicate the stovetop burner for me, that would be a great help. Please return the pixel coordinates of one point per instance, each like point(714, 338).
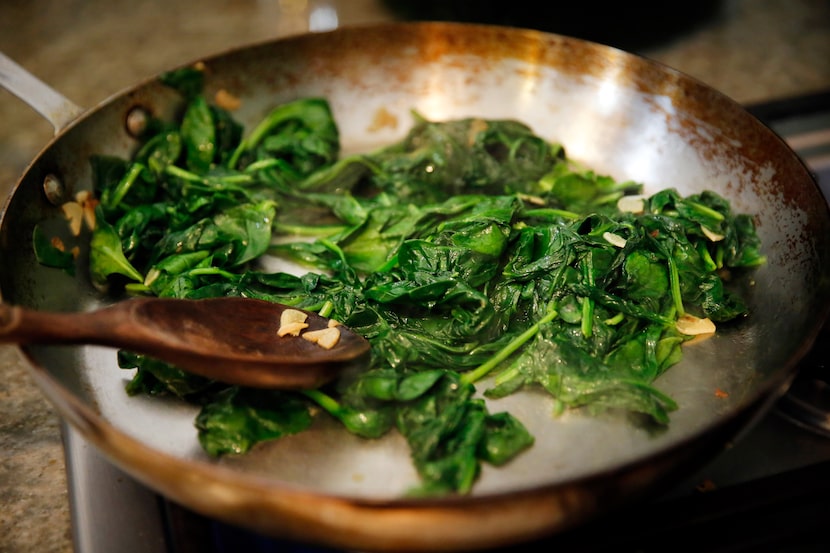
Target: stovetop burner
point(807, 402)
point(769, 492)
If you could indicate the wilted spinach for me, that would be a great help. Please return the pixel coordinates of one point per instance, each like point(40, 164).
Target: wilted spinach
point(470, 248)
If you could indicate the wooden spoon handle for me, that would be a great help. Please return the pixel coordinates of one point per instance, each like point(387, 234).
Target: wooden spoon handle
point(233, 340)
point(28, 326)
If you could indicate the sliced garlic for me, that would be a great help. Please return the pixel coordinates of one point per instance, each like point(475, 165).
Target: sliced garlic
point(713, 236)
point(333, 323)
point(614, 239)
point(535, 200)
point(226, 100)
point(325, 337)
point(88, 203)
point(292, 316)
point(694, 326)
point(151, 276)
point(293, 329)
point(89, 216)
point(74, 213)
point(292, 322)
point(632, 204)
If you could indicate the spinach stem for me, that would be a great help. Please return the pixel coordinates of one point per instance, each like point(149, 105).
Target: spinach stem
point(137, 289)
point(610, 198)
point(705, 210)
point(307, 230)
point(175, 171)
point(203, 271)
point(720, 252)
point(235, 179)
point(587, 325)
point(703, 251)
point(125, 185)
point(328, 403)
point(326, 310)
point(482, 370)
point(674, 280)
point(616, 319)
point(552, 212)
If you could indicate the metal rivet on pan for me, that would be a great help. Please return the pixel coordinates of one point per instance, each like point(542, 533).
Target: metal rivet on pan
point(136, 123)
point(54, 189)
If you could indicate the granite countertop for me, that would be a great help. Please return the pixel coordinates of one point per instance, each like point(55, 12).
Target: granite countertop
point(752, 50)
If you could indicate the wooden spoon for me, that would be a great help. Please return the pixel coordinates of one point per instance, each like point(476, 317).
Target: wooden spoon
point(233, 340)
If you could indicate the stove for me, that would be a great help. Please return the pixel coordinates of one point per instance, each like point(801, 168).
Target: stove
point(768, 492)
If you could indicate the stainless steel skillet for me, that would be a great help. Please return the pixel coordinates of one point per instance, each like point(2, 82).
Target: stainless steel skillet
point(618, 113)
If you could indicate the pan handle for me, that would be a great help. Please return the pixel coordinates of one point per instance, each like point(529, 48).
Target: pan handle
point(57, 109)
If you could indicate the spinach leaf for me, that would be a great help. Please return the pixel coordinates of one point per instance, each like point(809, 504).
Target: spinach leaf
point(154, 377)
point(302, 134)
point(199, 135)
point(450, 433)
point(234, 236)
point(106, 255)
point(49, 254)
point(238, 418)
